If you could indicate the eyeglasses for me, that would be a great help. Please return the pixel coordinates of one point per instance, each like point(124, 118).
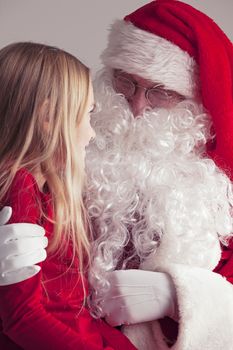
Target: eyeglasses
point(156, 96)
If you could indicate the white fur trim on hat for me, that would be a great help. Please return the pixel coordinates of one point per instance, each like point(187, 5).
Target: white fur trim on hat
point(152, 57)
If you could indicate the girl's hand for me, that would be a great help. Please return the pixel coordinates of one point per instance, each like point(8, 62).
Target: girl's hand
point(138, 296)
point(22, 246)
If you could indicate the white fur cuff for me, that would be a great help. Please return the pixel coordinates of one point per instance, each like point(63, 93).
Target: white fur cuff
point(205, 301)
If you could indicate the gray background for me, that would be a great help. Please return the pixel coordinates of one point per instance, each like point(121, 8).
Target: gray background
point(81, 26)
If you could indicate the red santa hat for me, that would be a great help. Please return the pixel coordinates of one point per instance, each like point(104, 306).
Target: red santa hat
point(170, 42)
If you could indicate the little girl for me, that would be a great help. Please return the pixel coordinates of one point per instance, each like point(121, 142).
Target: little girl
point(46, 99)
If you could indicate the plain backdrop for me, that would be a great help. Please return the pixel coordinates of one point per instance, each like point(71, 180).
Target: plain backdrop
point(81, 26)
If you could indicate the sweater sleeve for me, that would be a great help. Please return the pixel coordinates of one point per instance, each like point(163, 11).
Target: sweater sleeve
point(205, 303)
point(24, 318)
point(225, 266)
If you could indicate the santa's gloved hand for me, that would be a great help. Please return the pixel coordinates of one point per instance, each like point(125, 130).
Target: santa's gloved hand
point(22, 246)
point(138, 296)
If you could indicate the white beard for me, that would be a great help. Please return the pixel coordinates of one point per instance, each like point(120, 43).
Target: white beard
point(149, 182)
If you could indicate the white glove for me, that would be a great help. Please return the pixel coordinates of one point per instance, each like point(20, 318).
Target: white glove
point(22, 246)
point(138, 296)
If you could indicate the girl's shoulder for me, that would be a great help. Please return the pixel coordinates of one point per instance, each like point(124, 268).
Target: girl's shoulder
point(23, 186)
point(24, 180)
point(24, 198)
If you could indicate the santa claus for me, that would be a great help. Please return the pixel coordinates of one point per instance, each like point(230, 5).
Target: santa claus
point(159, 189)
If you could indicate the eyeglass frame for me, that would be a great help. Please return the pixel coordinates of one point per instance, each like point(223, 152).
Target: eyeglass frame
point(177, 96)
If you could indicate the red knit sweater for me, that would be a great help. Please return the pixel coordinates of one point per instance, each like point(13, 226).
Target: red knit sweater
point(36, 316)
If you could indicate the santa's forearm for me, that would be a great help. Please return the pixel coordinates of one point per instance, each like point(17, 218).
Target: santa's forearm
point(205, 304)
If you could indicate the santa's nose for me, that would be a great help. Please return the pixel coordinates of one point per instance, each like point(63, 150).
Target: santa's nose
point(138, 102)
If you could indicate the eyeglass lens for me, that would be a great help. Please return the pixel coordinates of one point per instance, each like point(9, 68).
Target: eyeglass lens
point(156, 96)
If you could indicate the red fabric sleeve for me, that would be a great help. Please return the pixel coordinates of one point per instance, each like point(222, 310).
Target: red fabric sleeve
point(24, 319)
point(225, 266)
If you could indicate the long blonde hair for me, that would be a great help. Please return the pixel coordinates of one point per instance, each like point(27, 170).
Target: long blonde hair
point(43, 84)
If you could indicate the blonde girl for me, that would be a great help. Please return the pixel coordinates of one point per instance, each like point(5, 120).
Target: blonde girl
point(46, 99)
